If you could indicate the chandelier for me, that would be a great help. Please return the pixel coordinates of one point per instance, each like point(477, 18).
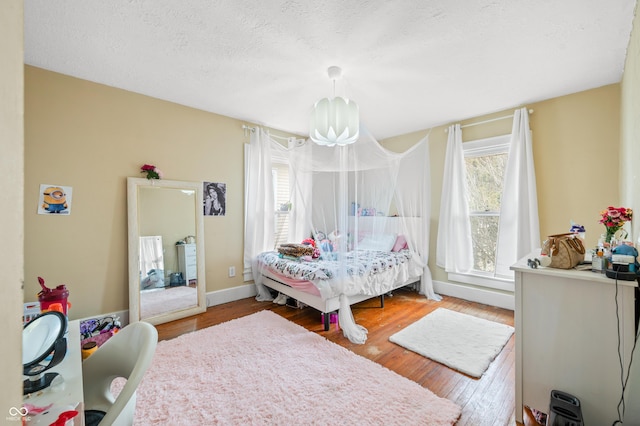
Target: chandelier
point(334, 121)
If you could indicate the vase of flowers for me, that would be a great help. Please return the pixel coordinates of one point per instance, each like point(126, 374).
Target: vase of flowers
point(613, 219)
point(152, 171)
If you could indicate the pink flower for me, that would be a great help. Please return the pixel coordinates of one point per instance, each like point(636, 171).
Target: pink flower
point(614, 219)
point(152, 171)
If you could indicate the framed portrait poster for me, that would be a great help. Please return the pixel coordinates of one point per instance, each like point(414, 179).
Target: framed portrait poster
point(215, 196)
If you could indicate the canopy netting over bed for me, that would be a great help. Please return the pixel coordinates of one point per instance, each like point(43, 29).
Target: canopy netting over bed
point(347, 199)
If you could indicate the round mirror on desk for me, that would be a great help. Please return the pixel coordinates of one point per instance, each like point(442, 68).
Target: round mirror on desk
point(43, 347)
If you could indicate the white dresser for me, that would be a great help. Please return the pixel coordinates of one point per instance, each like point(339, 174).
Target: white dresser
point(567, 339)
point(187, 262)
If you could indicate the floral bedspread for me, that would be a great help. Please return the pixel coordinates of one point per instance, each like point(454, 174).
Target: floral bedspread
point(358, 263)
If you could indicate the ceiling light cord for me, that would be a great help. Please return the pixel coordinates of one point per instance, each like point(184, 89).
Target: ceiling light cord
point(334, 73)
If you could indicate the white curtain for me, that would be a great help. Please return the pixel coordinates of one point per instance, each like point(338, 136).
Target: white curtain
point(259, 205)
point(519, 229)
point(410, 206)
point(454, 250)
point(151, 254)
point(301, 185)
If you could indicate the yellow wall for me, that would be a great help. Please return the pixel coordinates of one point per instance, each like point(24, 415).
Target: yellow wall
point(11, 179)
point(91, 137)
point(575, 148)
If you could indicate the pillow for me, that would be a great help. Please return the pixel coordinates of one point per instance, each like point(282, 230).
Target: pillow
point(401, 243)
point(383, 242)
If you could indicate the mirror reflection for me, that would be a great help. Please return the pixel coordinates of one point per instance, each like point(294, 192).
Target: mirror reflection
point(165, 223)
point(151, 261)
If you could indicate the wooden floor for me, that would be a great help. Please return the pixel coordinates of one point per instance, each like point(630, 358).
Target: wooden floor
point(489, 400)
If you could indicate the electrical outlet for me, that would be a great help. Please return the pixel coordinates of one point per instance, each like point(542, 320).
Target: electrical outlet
point(232, 271)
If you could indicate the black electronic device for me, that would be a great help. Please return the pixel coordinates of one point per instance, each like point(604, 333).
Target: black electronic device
point(564, 410)
point(620, 271)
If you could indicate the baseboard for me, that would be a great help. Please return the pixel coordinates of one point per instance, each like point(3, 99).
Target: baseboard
point(214, 298)
point(232, 294)
point(475, 294)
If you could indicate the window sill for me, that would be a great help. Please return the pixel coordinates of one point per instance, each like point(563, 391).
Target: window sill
point(504, 284)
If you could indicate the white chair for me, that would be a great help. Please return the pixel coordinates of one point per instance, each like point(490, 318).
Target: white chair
point(127, 354)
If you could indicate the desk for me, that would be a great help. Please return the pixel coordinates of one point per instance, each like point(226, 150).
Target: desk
point(65, 396)
point(567, 336)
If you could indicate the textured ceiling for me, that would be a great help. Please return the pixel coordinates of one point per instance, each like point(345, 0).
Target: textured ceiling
point(409, 64)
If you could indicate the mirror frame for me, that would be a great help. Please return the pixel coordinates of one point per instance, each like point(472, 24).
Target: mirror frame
point(133, 185)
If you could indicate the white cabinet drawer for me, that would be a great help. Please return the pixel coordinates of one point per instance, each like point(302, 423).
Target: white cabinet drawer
point(187, 261)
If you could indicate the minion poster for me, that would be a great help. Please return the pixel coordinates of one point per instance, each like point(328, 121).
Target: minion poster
point(55, 199)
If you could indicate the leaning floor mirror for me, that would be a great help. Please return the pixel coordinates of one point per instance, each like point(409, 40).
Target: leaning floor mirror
point(166, 250)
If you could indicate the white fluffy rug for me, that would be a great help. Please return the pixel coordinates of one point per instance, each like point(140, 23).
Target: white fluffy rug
point(263, 369)
point(463, 342)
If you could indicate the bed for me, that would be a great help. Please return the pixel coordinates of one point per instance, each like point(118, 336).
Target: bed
point(361, 193)
point(320, 283)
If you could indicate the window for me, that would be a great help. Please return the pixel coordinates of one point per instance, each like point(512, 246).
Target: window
point(280, 173)
point(485, 162)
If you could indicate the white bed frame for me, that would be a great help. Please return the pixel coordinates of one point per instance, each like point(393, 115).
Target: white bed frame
point(365, 223)
point(325, 305)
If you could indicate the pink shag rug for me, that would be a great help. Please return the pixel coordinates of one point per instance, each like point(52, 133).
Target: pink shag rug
point(263, 369)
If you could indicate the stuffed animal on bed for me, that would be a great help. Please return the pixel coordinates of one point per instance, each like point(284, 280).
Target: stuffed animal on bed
point(327, 245)
point(333, 238)
point(311, 242)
